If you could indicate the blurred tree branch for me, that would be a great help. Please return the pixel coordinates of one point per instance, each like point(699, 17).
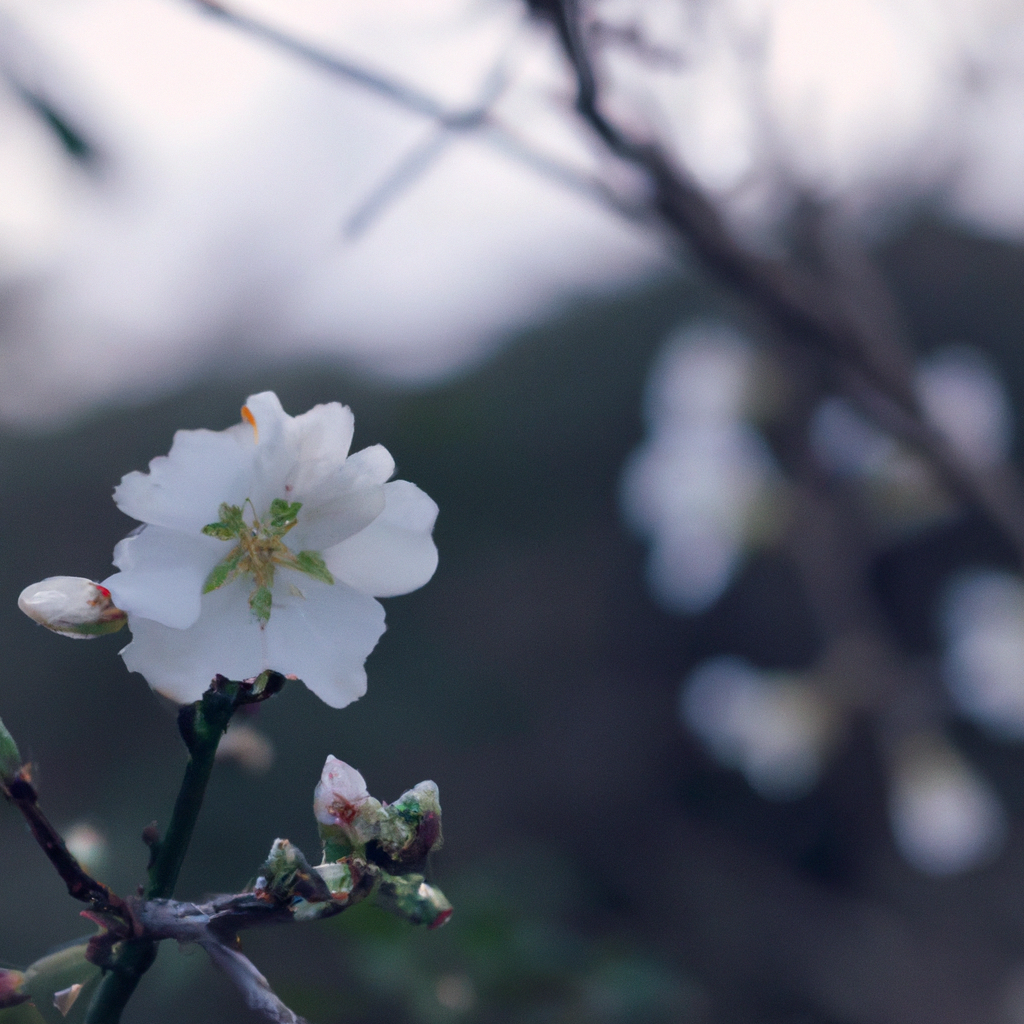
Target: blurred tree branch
point(840, 308)
point(848, 324)
point(477, 120)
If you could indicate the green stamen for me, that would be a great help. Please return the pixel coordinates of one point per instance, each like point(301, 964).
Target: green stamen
point(259, 551)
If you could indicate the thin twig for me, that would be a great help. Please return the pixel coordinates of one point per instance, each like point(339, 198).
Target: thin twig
point(415, 163)
point(479, 122)
point(818, 310)
point(81, 885)
point(255, 989)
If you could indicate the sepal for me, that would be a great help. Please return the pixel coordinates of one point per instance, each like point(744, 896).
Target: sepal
point(10, 757)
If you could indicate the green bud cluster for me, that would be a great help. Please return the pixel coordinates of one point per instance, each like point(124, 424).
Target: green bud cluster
point(380, 854)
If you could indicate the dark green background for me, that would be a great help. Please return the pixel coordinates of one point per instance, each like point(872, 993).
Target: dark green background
point(603, 869)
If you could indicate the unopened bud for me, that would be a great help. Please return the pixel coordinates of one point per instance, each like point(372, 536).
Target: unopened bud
point(410, 828)
point(56, 975)
point(347, 815)
point(286, 874)
point(72, 606)
point(411, 897)
point(11, 991)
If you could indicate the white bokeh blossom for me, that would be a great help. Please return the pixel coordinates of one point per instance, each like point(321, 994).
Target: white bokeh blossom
point(264, 547)
point(773, 727)
point(946, 817)
point(703, 487)
point(983, 666)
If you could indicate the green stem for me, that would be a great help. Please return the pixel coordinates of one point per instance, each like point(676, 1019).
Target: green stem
point(202, 724)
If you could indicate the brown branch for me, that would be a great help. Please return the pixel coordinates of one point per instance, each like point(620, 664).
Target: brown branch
point(868, 360)
point(213, 926)
point(117, 914)
point(255, 989)
point(631, 38)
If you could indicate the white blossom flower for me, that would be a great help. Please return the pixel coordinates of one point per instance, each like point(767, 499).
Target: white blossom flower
point(703, 486)
point(263, 547)
point(946, 817)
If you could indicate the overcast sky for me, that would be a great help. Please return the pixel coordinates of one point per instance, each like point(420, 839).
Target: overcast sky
point(212, 225)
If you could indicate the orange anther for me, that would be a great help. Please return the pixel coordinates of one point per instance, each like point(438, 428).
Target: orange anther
point(251, 420)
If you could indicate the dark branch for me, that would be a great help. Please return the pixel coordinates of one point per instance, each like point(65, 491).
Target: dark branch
point(81, 885)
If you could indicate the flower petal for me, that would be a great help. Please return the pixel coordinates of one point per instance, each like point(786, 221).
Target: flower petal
point(277, 447)
point(343, 503)
point(322, 439)
point(181, 663)
point(184, 488)
point(395, 553)
point(162, 574)
point(323, 634)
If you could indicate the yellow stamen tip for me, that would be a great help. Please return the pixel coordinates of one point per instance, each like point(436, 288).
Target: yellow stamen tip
point(251, 420)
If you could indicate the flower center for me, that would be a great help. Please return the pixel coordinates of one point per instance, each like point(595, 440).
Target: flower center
point(259, 550)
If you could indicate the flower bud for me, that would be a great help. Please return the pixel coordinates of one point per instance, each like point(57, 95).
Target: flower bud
point(411, 897)
point(411, 827)
point(11, 991)
point(286, 874)
point(348, 816)
point(72, 606)
point(56, 975)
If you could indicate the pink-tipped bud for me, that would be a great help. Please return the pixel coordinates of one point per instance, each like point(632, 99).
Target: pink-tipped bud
point(340, 793)
point(72, 606)
point(11, 989)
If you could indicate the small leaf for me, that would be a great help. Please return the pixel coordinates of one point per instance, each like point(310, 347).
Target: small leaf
point(10, 757)
point(219, 530)
point(260, 601)
point(312, 564)
point(280, 507)
point(231, 523)
point(283, 515)
point(224, 572)
point(231, 515)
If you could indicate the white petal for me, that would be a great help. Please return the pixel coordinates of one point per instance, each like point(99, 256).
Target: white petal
point(323, 636)
point(272, 422)
point(162, 574)
point(344, 503)
point(184, 489)
point(277, 447)
point(323, 438)
point(395, 553)
point(181, 663)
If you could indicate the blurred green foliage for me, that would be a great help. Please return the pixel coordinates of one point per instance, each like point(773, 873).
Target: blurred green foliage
point(532, 679)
